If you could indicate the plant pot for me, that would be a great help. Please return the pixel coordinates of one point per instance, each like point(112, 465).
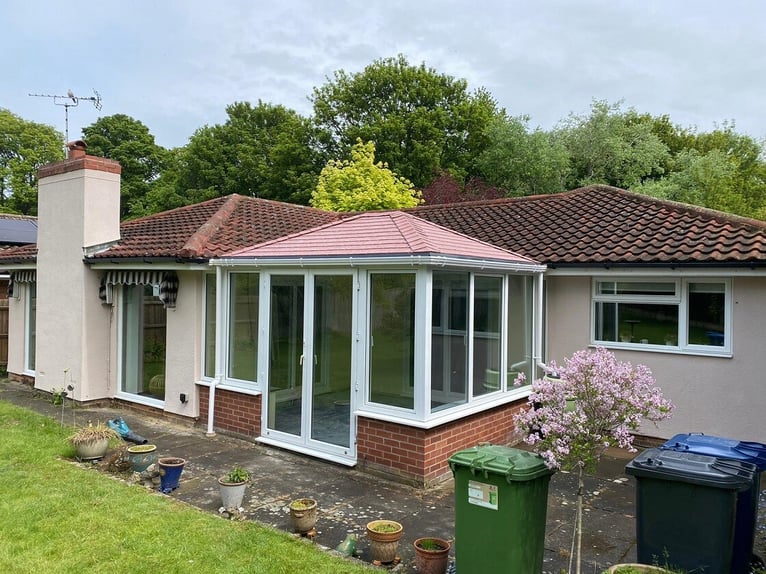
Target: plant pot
point(141, 456)
point(431, 555)
point(636, 569)
point(232, 493)
point(170, 473)
point(92, 450)
point(384, 538)
point(303, 514)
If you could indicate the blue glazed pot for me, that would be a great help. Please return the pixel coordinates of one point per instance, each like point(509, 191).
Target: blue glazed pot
point(170, 473)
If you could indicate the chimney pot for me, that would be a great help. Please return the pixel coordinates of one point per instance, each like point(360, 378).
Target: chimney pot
point(76, 149)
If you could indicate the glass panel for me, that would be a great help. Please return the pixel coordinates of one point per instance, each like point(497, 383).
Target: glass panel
point(449, 342)
point(392, 339)
point(707, 314)
point(286, 354)
point(31, 325)
point(243, 326)
point(520, 301)
point(144, 334)
point(487, 292)
point(210, 303)
point(331, 391)
point(636, 322)
point(636, 288)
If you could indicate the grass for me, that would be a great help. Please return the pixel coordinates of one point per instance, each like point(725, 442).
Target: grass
point(57, 517)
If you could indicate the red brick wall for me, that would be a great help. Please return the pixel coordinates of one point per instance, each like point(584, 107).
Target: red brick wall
point(234, 412)
point(420, 455)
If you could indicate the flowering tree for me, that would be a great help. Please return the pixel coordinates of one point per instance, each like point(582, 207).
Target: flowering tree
point(585, 406)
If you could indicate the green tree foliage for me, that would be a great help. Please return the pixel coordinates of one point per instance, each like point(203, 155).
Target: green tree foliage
point(128, 141)
point(24, 147)
point(420, 121)
point(521, 161)
point(360, 184)
point(264, 151)
point(612, 147)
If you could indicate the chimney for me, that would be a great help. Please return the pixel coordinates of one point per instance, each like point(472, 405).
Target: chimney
point(76, 149)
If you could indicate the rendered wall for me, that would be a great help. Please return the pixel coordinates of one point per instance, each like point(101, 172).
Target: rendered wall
point(715, 395)
point(78, 207)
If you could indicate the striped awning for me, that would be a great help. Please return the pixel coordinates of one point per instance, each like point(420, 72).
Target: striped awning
point(24, 276)
point(167, 280)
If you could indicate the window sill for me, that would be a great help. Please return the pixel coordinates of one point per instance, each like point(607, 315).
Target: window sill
point(664, 349)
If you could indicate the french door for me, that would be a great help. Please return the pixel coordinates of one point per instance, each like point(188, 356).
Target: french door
point(309, 390)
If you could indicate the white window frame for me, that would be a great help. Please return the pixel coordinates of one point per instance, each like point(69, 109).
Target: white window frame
point(680, 298)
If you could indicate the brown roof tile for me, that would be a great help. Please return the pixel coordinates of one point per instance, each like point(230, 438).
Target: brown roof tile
point(605, 225)
point(212, 228)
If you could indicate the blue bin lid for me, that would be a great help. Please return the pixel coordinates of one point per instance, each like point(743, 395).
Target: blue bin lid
point(513, 464)
point(693, 468)
point(752, 452)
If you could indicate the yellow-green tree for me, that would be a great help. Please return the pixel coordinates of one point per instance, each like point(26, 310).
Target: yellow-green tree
point(360, 184)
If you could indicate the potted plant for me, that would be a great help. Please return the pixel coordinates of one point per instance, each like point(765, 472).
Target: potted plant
point(431, 555)
point(232, 487)
point(92, 442)
point(303, 514)
point(384, 538)
point(141, 456)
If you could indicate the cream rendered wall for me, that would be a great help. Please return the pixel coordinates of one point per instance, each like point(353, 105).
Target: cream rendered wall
point(183, 355)
point(76, 209)
point(718, 396)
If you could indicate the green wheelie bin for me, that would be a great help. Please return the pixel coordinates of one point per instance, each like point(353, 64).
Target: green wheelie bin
point(501, 499)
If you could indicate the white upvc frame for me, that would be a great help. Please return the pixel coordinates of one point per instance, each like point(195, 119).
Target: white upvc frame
point(30, 325)
point(680, 299)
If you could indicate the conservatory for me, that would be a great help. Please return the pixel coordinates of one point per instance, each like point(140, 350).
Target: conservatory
point(366, 335)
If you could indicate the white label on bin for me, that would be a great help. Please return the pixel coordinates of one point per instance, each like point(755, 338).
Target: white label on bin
point(482, 494)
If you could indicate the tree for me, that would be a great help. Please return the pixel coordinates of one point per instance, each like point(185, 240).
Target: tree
point(520, 161)
point(265, 151)
point(446, 189)
point(420, 121)
point(24, 147)
point(611, 147)
point(592, 403)
point(128, 141)
point(360, 184)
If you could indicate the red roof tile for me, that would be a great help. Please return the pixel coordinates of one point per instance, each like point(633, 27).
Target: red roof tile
point(605, 225)
point(377, 234)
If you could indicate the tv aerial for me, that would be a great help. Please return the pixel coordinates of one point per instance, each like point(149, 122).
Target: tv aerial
point(70, 101)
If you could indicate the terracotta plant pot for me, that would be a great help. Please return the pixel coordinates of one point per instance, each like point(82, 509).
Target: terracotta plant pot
point(431, 555)
point(384, 538)
point(303, 514)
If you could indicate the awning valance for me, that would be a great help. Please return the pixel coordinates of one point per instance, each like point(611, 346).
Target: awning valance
point(24, 276)
point(167, 281)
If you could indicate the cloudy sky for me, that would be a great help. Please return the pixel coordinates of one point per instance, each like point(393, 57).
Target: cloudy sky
point(175, 64)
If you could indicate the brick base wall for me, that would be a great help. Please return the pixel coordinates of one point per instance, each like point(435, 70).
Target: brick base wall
point(234, 412)
point(420, 455)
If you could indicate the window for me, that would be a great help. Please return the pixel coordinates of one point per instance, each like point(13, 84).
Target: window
point(210, 303)
point(449, 343)
point(31, 323)
point(144, 331)
point(520, 302)
point(392, 339)
point(243, 326)
point(683, 314)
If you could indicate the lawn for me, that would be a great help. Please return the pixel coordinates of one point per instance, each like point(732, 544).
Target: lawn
point(56, 516)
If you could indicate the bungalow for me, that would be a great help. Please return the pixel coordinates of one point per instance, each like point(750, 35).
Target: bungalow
point(386, 340)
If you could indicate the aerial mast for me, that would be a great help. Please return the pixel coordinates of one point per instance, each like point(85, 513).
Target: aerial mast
point(70, 101)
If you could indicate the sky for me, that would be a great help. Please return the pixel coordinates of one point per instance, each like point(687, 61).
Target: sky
point(175, 65)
